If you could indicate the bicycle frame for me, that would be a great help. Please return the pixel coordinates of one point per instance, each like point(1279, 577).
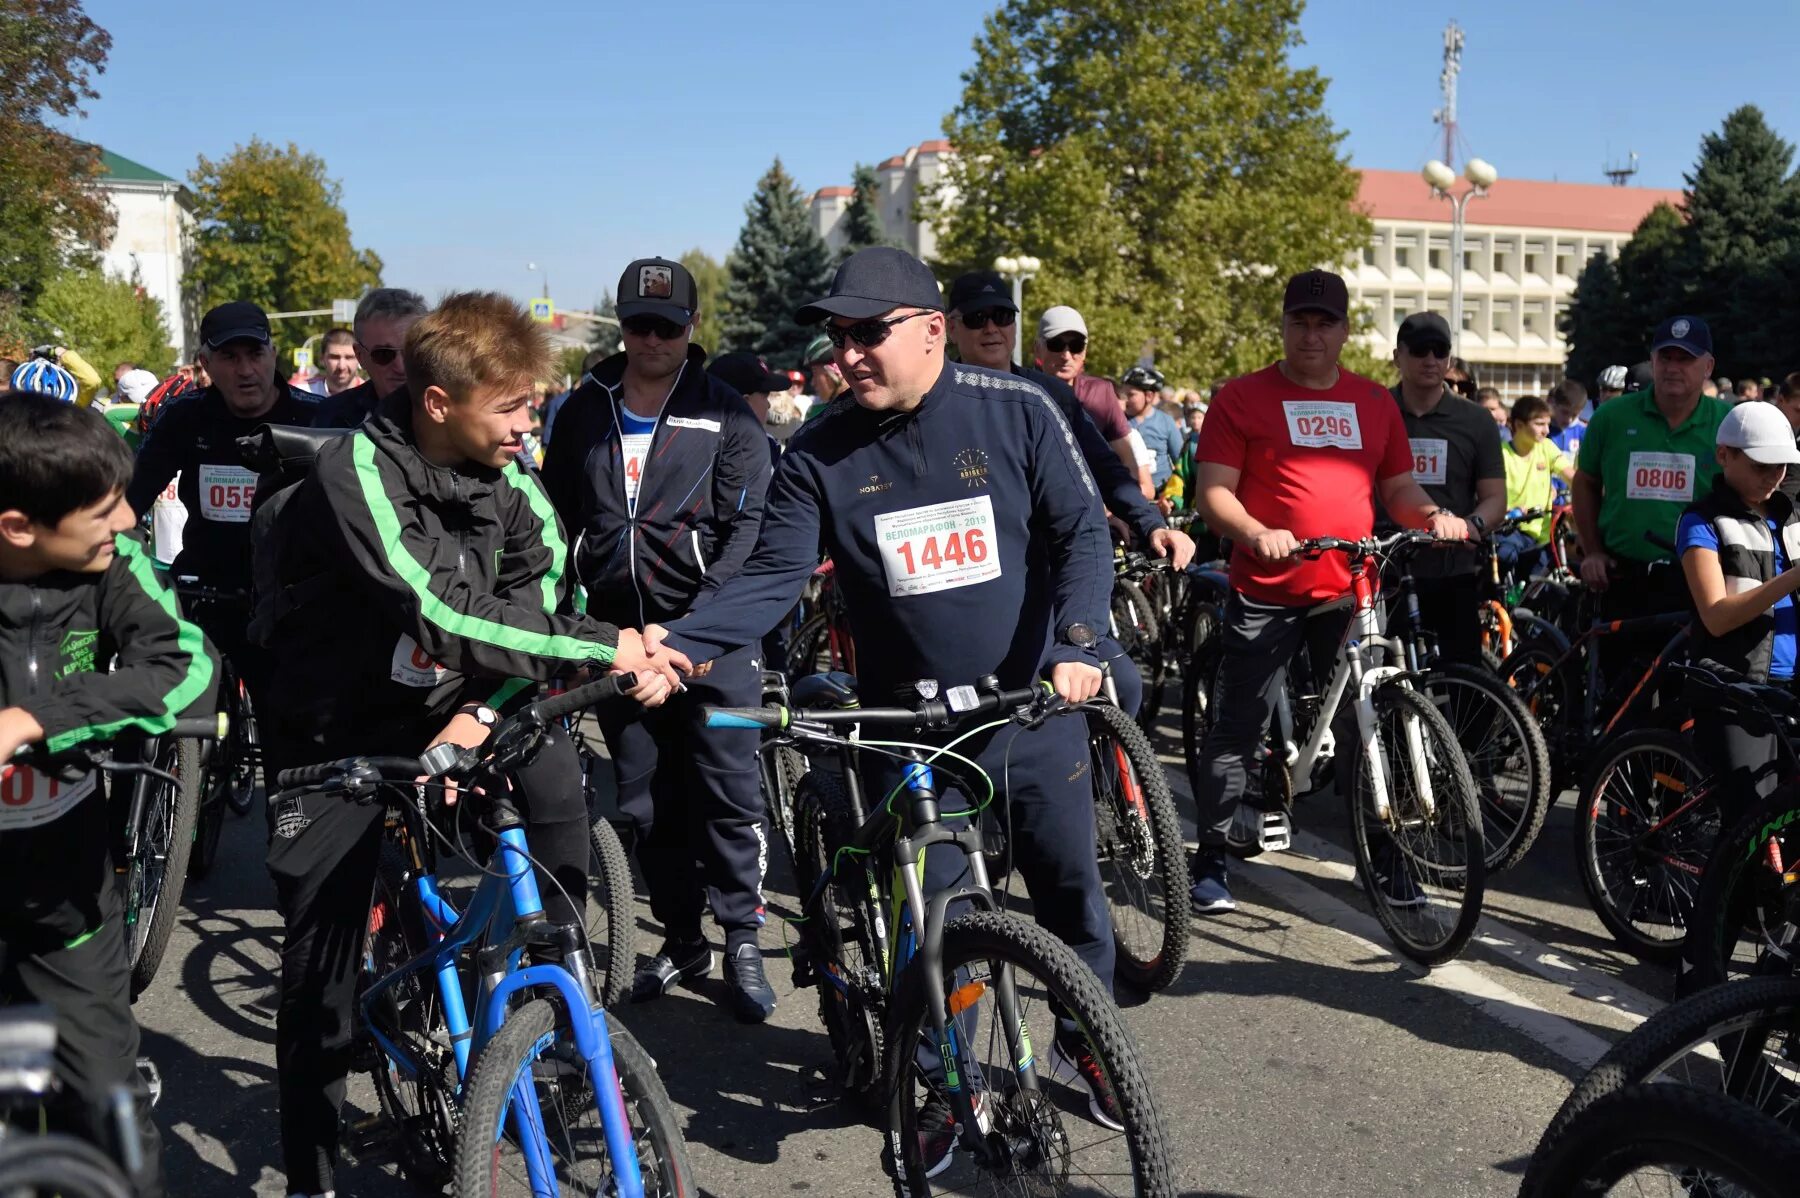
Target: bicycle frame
point(1590, 726)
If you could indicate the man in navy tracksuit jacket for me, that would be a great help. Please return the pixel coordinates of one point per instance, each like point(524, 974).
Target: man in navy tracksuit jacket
point(658, 468)
point(968, 541)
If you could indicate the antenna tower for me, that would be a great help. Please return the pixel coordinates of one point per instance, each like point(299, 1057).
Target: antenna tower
point(1446, 116)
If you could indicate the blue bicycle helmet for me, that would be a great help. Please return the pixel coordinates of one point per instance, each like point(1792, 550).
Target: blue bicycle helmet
point(46, 378)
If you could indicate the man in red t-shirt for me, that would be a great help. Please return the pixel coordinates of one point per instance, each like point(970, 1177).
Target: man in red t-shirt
point(1300, 449)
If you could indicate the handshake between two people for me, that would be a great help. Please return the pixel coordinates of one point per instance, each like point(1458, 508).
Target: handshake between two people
point(659, 669)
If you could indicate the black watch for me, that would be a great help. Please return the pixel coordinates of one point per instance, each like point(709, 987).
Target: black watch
point(484, 715)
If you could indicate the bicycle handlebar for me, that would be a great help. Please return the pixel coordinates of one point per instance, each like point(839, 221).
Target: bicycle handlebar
point(1369, 545)
point(207, 727)
point(960, 705)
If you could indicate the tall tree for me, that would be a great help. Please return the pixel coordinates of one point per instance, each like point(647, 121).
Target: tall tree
point(51, 216)
point(779, 264)
point(1166, 162)
point(272, 230)
point(862, 217)
point(605, 336)
point(710, 279)
point(106, 320)
point(1597, 328)
point(1653, 281)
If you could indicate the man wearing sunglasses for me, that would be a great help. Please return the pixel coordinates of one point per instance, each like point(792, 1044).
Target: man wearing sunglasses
point(967, 537)
point(1456, 458)
point(658, 469)
point(383, 319)
point(1062, 343)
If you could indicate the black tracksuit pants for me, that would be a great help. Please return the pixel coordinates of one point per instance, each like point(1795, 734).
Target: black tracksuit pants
point(323, 855)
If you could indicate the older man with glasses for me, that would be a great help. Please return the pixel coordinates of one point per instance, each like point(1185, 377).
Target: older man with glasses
point(378, 333)
point(1062, 345)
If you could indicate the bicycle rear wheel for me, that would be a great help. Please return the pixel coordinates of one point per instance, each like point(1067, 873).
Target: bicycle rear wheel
point(157, 869)
point(1744, 914)
point(530, 1073)
point(1134, 626)
point(1421, 863)
point(1040, 1137)
point(1549, 694)
point(59, 1165)
point(611, 912)
point(1143, 867)
point(1506, 754)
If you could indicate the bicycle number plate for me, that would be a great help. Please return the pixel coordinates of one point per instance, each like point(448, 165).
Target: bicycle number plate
point(1668, 476)
point(226, 492)
point(1316, 424)
point(938, 547)
point(29, 799)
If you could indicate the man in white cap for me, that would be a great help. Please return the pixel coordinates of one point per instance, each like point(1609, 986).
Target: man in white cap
point(1062, 349)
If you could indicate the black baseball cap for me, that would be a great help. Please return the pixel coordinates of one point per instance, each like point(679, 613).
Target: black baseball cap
point(1317, 291)
point(747, 373)
point(1683, 332)
point(1425, 328)
point(240, 320)
point(873, 281)
point(981, 291)
point(657, 287)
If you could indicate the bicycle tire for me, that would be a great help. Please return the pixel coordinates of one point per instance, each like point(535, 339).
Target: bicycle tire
point(1136, 630)
point(786, 766)
point(1196, 689)
point(807, 646)
point(840, 949)
point(209, 829)
point(1744, 1015)
point(1742, 901)
point(1616, 878)
point(1143, 861)
point(1453, 872)
point(1511, 817)
point(611, 913)
point(1699, 1136)
point(1069, 985)
point(1545, 689)
point(170, 813)
point(61, 1165)
point(507, 1060)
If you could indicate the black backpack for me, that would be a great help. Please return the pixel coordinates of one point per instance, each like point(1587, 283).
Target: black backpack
point(283, 456)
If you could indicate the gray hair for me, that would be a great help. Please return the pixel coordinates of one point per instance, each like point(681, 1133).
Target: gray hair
point(388, 303)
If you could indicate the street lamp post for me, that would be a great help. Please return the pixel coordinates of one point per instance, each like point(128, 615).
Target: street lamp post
point(1481, 176)
point(532, 266)
point(1017, 269)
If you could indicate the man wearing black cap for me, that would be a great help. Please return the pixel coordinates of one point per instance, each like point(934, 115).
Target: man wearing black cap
point(658, 469)
point(750, 377)
point(1299, 449)
point(968, 540)
point(1456, 458)
point(195, 436)
point(1646, 456)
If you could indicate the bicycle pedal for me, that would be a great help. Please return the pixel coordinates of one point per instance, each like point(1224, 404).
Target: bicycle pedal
point(1274, 832)
point(368, 1134)
point(153, 1082)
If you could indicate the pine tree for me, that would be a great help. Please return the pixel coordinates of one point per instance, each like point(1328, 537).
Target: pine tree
point(862, 218)
point(1652, 280)
point(778, 265)
point(1597, 329)
point(605, 336)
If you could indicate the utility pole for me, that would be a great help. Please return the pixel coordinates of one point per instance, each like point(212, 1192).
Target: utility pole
point(1446, 116)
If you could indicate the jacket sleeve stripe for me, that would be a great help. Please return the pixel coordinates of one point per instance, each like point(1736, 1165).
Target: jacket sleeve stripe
point(417, 579)
point(553, 538)
point(184, 694)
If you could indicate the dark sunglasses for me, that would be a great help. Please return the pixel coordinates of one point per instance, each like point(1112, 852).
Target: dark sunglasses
point(381, 355)
point(1428, 349)
point(1000, 318)
point(868, 333)
point(1068, 343)
point(645, 326)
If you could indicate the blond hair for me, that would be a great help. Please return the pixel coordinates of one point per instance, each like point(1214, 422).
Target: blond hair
point(474, 340)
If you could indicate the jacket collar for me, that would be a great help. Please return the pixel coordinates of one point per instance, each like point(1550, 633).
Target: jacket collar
point(391, 428)
point(610, 374)
point(1726, 499)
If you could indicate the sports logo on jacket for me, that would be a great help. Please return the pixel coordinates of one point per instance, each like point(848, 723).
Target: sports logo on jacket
point(75, 655)
point(971, 466)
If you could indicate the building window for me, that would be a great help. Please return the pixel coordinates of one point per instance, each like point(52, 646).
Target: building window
point(1532, 263)
point(1468, 320)
point(1368, 255)
point(1469, 261)
point(1435, 258)
point(1502, 262)
point(1402, 258)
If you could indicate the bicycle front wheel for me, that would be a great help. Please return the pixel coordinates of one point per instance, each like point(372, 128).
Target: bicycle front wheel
point(59, 1165)
point(1039, 1135)
point(611, 912)
point(1143, 867)
point(1743, 915)
point(530, 1074)
point(1421, 860)
point(157, 870)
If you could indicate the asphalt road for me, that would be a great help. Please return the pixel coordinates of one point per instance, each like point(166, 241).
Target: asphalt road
point(1295, 1054)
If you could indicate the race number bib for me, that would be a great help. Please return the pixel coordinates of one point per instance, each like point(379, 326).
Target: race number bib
point(168, 517)
point(1316, 424)
point(29, 799)
point(226, 492)
point(411, 667)
point(938, 547)
point(636, 447)
point(1429, 456)
point(1668, 476)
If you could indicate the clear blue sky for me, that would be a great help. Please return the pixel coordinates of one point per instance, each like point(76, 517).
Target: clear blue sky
point(474, 138)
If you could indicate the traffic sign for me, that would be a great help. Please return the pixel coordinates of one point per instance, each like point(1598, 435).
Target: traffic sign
point(543, 310)
point(302, 360)
point(343, 311)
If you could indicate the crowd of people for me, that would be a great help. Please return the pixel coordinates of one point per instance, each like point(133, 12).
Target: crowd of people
point(428, 568)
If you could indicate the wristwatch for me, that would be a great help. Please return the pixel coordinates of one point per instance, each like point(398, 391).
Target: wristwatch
point(484, 715)
point(1479, 523)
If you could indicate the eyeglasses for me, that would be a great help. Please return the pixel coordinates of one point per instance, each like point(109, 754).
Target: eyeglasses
point(381, 355)
point(868, 333)
point(1428, 349)
point(1000, 318)
point(645, 326)
point(1068, 343)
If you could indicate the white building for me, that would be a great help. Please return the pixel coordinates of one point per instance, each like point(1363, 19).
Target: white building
point(902, 181)
point(152, 237)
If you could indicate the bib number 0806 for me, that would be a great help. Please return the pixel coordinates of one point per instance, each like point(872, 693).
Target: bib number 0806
point(1668, 478)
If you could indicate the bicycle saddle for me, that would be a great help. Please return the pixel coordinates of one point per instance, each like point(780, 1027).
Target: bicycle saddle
point(278, 448)
point(835, 689)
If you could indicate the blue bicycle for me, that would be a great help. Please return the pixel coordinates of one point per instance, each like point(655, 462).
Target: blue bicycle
point(501, 1074)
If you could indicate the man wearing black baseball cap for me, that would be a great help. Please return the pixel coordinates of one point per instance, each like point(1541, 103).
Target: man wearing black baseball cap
point(658, 470)
point(967, 539)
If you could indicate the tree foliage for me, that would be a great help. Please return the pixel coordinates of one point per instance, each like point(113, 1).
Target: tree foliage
point(51, 214)
point(1163, 159)
point(710, 279)
point(862, 216)
point(778, 264)
point(272, 230)
point(605, 336)
point(105, 320)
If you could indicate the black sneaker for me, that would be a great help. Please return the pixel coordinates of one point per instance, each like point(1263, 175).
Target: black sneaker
point(937, 1136)
point(673, 964)
point(1072, 1061)
point(747, 986)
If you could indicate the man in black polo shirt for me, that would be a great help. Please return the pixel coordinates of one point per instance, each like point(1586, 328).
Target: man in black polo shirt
point(1456, 458)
